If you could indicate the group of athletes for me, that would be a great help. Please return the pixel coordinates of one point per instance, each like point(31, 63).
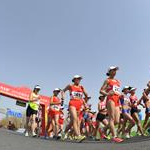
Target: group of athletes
point(117, 112)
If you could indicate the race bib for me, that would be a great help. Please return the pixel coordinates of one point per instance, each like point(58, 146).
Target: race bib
point(55, 107)
point(103, 106)
point(62, 117)
point(77, 95)
point(116, 89)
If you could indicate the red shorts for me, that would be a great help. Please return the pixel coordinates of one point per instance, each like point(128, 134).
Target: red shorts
point(115, 99)
point(76, 103)
point(94, 124)
point(87, 124)
point(81, 116)
point(53, 113)
point(61, 121)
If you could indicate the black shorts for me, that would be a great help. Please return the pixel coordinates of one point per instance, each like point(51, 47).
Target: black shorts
point(30, 112)
point(100, 117)
point(134, 110)
point(121, 116)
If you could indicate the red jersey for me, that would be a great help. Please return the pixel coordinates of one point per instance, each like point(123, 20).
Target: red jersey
point(76, 92)
point(134, 100)
point(103, 104)
point(114, 85)
point(55, 107)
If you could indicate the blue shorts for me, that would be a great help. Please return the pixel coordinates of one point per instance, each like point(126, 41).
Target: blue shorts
point(126, 111)
point(86, 116)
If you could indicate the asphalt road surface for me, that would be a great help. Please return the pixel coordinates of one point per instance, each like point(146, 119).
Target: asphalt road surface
point(14, 141)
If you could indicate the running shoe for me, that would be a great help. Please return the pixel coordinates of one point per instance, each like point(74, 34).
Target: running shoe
point(139, 134)
point(103, 136)
point(80, 138)
point(131, 135)
point(58, 137)
point(46, 138)
point(144, 134)
point(127, 136)
point(54, 137)
point(94, 138)
point(70, 138)
point(108, 137)
point(34, 134)
point(26, 134)
point(117, 140)
point(64, 136)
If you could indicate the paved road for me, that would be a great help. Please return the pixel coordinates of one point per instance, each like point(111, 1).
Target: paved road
point(13, 141)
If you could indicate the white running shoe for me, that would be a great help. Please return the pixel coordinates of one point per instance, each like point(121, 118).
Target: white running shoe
point(26, 134)
point(127, 136)
point(34, 134)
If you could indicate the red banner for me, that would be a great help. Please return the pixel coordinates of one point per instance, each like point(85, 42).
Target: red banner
point(21, 93)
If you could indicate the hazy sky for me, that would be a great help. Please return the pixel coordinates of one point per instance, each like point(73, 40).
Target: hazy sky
point(47, 42)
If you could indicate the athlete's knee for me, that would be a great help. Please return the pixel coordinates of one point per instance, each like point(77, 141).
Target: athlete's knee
point(56, 123)
point(111, 119)
point(117, 121)
point(139, 124)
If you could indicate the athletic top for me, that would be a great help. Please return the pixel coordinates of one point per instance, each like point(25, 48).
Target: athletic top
point(35, 105)
point(113, 85)
point(55, 107)
point(76, 92)
point(125, 100)
point(61, 116)
point(134, 100)
point(102, 104)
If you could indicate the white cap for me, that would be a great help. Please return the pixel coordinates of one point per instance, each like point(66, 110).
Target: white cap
point(132, 89)
point(61, 107)
point(126, 87)
point(57, 89)
point(77, 77)
point(112, 68)
point(37, 87)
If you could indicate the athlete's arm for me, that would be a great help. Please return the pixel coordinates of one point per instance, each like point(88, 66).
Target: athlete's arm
point(55, 103)
point(85, 93)
point(103, 89)
point(140, 102)
point(67, 88)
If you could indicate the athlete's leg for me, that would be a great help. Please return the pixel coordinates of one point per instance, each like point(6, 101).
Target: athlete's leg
point(33, 125)
point(131, 120)
point(74, 118)
point(56, 118)
point(138, 122)
point(111, 114)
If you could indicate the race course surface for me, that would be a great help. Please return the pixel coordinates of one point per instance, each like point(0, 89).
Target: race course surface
point(14, 141)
